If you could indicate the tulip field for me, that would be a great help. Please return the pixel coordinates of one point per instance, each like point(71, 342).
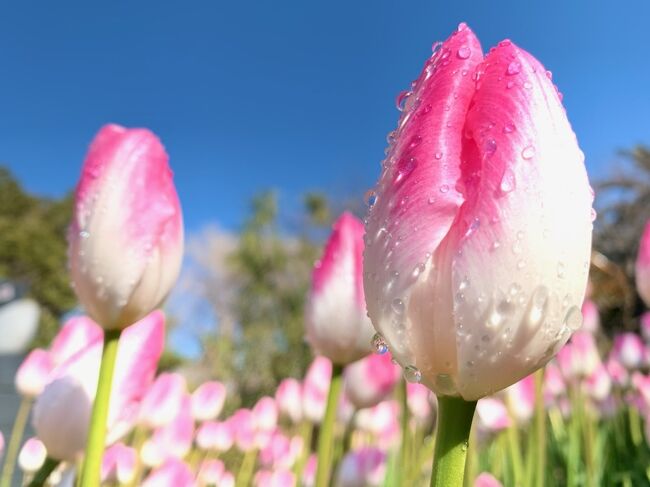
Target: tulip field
point(456, 336)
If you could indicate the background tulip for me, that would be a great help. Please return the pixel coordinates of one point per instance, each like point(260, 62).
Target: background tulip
point(207, 400)
point(33, 373)
point(163, 400)
point(288, 398)
point(370, 380)
point(126, 237)
point(76, 334)
point(643, 266)
point(118, 465)
point(337, 325)
point(32, 455)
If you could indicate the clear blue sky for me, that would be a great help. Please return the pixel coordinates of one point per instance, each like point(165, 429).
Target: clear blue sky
point(291, 95)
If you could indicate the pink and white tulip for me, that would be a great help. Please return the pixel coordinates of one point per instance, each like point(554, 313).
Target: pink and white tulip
point(163, 400)
point(76, 334)
point(62, 411)
point(173, 473)
point(337, 325)
point(590, 316)
point(643, 266)
point(274, 478)
point(629, 350)
point(370, 380)
point(288, 397)
point(469, 276)
point(520, 398)
point(210, 472)
point(579, 358)
point(420, 401)
point(362, 468)
point(126, 237)
point(216, 436)
point(487, 480)
point(34, 373)
point(208, 400)
point(173, 439)
point(315, 388)
point(492, 415)
point(118, 464)
point(32, 455)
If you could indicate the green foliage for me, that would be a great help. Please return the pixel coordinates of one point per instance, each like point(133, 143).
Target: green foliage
point(33, 249)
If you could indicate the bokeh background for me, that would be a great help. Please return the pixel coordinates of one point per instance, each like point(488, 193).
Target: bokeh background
point(275, 116)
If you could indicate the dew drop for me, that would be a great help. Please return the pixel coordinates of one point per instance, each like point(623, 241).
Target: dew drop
point(370, 198)
point(379, 344)
point(513, 68)
point(573, 318)
point(405, 168)
point(412, 374)
point(509, 128)
point(593, 215)
point(431, 200)
point(508, 182)
point(464, 52)
point(435, 47)
point(490, 147)
point(415, 141)
point(84, 234)
point(438, 155)
point(400, 101)
point(398, 306)
point(528, 152)
point(419, 269)
point(444, 188)
point(462, 26)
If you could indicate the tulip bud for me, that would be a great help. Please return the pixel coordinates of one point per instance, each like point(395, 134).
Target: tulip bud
point(487, 480)
point(591, 316)
point(118, 464)
point(469, 275)
point(210, 472)
point(62, 411)
point(217, 436)
point(599, 385)
point(629, 350)
point(420, 400)
point(173, 473)
point(207, 400)
point(579, 358)
point(643, 266)
point(370, 380)
point(126, 237)
point(492, 415)
point(520, 398)
point(33, 373)
point(361, 468)
point(315, 388)
point(75, 335)
point(337, 325)
point(288, 398)
point(243, 425)
point(32, 455)
point(163, 400)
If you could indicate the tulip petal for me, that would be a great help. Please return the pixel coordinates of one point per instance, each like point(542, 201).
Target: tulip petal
point(528, 213)
point(416, 203)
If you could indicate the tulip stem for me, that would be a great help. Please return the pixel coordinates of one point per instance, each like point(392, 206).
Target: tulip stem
point(90, 475)
point(454, 425)
point(14, 441)
point(326, 433)
point(44, 472)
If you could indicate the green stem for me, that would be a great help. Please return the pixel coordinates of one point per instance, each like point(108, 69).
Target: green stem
point(454, 425)
point(306, 430)
point(90, 475)
point(540, 430)
point(44, 472)
point(246, 468)
point(14, 441)
point(514, 447)
point(403, 464)
point(326, 433)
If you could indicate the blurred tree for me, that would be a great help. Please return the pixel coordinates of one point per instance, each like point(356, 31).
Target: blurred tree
point(256, 283)
point(623, 203)
point(33, 249)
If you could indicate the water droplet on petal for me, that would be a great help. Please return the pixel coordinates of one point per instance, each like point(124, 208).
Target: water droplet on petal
point(509, 128)
point(528, 152)
point(490, 147)
point(435, 47)
point(444, 188)
point(508, 182)
point(412, 374)
point(513, 68)
point(573, 318)
point(84, 234)
point(405, 167)
point(415, 141)
point(462, 26)
point(464, 52)
point(370, 198)
point(379, 344)
point(398, 306)
point(400, 101)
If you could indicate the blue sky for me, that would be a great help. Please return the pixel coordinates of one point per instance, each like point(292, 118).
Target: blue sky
point(290, 95)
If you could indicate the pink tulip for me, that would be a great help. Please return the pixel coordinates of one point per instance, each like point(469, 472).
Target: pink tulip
point(75, 335)
point(419, 401)
point(210, 472)
point(207, 400)
point(487, 480)
point(643, 266)
point(645, 326)
point(371, 380)
point(617, 371)
point(337, 325)
point(217, 436)
point(467, 258)
point(590, 316)
point(554, 385)
point(265, 413)
point(227, 480)
point(281, 451)
point(520, 398)
point(34, 373)
point(276, 478)
point(382, 421)
point(175, 438)
point(173, 473)
point(315, 389)
point(288, 398)
point(162, 401)
point(118, 464)
point(243, 425)
point(641, 384)
point(62, 411)
point(579, 358)
point(599, 384)
point(126, 237)
point(32, 455)
point(492, 415)
point(629, 350)
point(361, 468)
point(309, 473)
